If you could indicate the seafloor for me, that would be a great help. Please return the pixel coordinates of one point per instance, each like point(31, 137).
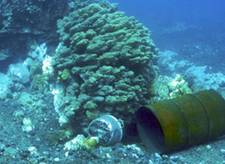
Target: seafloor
point(31, 128)
point(18, 147)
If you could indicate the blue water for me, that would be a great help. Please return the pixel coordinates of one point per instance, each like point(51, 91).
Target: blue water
point(193, 28)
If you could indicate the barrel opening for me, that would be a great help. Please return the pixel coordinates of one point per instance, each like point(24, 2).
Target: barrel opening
point(150, 130)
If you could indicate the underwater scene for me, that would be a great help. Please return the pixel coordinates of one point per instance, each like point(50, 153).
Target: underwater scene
point(112, 81)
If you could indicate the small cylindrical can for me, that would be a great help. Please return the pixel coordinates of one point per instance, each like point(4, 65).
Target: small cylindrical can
point(107, 128)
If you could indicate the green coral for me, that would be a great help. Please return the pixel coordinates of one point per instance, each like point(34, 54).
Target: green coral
point(165, 87)
point(179, 87)
point(64, 75)
point(40, 82)
point(110, 57)
point(90, 105)
point(80, 142)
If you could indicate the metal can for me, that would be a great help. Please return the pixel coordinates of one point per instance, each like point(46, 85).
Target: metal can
point(175, 124)
point(107, 128)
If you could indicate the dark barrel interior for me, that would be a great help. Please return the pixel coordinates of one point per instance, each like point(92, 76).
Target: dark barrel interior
point(175, 124)
point(150, 130)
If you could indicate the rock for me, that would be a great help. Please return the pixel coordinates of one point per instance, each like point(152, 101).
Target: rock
point(19, 73)
point(27, 125)
point(208, 147)
point(5, 84)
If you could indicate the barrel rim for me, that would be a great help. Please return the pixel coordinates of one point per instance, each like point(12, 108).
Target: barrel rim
point(145, 116)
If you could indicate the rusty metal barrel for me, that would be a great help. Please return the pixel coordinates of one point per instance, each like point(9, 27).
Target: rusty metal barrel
point(175, 124)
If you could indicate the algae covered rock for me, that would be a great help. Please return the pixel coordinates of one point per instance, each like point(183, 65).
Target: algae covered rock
point(109, 58)
point(165, 87)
